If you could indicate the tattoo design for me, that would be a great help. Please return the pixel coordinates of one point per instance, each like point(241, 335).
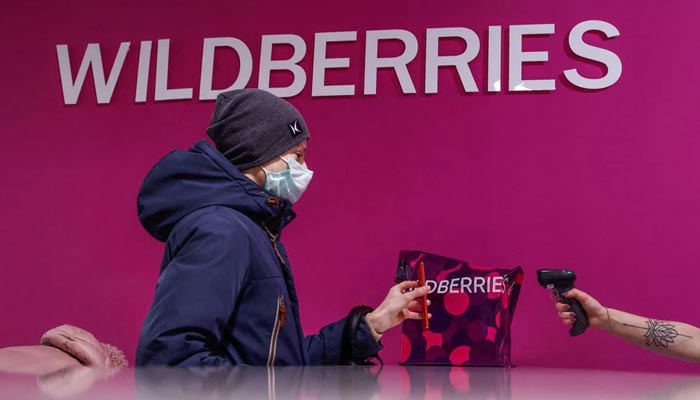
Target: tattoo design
point(659, 333)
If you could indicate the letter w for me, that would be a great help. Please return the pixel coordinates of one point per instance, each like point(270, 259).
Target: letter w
point(92, 58)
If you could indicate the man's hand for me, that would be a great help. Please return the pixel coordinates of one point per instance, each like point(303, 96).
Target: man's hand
point(398, 306)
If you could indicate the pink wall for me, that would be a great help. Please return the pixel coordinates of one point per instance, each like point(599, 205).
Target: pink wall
point(604, 182)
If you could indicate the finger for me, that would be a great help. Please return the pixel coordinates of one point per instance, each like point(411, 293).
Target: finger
point(413, 315)
point(417, 303)
point(419, 292)
point(569, 321)
point(414, 304)
point(576, 294)
point(567, 315)
point(554, 295)
point(405, 285)
point(562, 307)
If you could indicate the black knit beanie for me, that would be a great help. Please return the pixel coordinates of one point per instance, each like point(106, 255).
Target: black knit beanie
point(251, 127)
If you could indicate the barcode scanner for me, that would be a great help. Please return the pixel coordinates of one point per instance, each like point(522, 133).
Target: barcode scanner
point(561, 281)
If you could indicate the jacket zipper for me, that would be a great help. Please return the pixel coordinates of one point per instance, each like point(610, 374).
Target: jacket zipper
point(279, 323)
point(273, 240)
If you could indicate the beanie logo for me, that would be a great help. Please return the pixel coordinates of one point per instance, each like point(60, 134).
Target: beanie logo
point(294, 127)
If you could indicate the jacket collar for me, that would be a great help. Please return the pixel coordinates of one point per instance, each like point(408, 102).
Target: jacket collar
point(271, 212)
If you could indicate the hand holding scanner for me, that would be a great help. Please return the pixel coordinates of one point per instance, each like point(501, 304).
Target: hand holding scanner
point(561, 281)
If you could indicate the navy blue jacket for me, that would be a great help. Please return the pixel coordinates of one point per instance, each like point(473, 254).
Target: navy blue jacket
point(225, 295)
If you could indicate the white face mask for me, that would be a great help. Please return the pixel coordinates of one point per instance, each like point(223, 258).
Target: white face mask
point(291, 183)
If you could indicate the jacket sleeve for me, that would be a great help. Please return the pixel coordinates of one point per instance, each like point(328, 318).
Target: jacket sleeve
point(326, 347)
point(195, 297)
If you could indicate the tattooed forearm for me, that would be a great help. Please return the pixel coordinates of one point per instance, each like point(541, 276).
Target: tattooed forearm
point(659, 333)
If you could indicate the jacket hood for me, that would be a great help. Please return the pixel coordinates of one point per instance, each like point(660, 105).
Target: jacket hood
point(186, 180)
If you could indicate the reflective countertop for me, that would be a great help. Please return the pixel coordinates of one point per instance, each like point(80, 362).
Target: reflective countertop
point(348, 382)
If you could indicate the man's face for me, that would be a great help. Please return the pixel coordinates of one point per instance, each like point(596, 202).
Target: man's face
point(297, 153)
